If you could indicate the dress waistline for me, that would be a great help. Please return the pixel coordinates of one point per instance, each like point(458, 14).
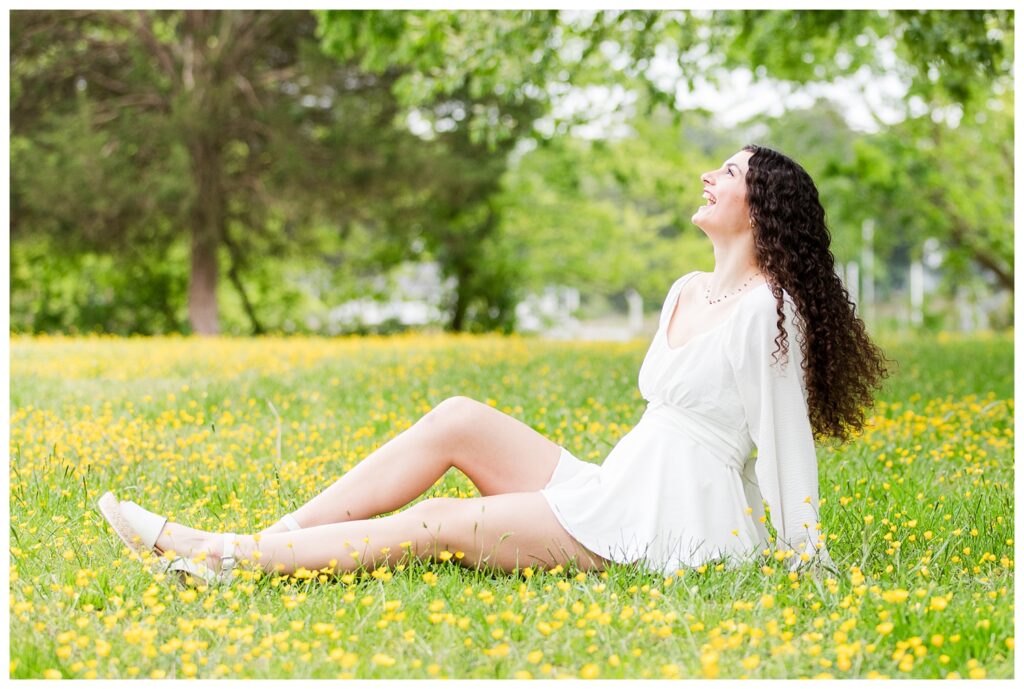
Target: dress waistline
point(726, 444)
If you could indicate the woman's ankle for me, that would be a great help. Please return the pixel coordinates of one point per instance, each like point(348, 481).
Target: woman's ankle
point(209, 552)
point(276, 527)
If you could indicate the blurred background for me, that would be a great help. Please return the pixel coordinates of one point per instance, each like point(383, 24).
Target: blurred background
point(336, 172)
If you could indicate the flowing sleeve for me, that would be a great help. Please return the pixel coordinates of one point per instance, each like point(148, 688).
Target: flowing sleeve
point(774, 399)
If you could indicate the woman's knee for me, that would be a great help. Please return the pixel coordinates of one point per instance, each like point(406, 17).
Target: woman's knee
point(435, 512)
point(454, 415)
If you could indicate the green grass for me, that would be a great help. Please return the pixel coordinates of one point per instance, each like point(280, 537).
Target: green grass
point(918, 512)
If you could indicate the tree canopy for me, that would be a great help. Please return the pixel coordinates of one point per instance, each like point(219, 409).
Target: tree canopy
point(294, 153)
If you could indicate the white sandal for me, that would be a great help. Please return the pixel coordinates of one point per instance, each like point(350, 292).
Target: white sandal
point(136, 527)
point(139, 529)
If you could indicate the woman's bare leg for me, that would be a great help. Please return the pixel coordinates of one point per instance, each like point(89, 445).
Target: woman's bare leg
point(499, 454)
point(506, 531)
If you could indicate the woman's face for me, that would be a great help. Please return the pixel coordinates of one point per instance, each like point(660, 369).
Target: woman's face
point(725, 193)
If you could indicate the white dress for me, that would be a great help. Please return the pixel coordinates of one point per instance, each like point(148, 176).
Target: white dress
point(680, 488)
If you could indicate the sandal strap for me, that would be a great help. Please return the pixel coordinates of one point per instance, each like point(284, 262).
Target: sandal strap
point(227, 560)
point(289, 521)
point(185, 567)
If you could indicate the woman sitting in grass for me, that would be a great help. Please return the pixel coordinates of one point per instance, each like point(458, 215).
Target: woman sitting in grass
point(721, 378)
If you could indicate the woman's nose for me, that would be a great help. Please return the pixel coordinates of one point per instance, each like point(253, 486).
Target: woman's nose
point(706, 178)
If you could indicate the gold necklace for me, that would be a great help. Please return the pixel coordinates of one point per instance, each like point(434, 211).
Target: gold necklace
point(707, 290)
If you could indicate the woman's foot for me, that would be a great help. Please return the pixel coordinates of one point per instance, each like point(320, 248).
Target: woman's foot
point(208, 552)
point(205, 563)
point(182, 539)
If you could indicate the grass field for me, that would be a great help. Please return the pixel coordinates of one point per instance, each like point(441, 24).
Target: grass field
point(227, 434)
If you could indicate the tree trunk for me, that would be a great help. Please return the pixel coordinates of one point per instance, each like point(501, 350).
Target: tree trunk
point(235, 276)
point(206, 109)
point(202, 286)
point(463, 294)
point(458, 322)
point(466, 265)
point(208, 219)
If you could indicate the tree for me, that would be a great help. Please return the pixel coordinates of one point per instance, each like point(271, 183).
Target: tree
point(129, 126)
point(474, 118)
point(930, 179)
point(530, 54)
point(943, 55)
point(947, 58)
point(918, 178)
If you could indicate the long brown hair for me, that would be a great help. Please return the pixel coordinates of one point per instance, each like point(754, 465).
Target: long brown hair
point(791, 245)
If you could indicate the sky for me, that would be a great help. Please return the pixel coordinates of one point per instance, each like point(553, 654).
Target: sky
point(864, 98)
point(868, 100)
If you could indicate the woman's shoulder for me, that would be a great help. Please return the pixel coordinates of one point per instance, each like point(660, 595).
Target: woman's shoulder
point(762, 305)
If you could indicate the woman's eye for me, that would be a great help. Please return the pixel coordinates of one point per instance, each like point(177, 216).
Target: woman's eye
point(730, 172)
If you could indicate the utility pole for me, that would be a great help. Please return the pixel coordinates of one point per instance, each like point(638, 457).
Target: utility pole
point(867, 259)
point(916, 293)
point(636, 311)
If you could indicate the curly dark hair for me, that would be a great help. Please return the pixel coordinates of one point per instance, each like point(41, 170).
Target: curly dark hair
point(791, 247)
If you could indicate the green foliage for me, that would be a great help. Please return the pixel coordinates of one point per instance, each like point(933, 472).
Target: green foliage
point(302, 163)
point(58, 291)
point(609, 215)
point(953, 183)
point(513, 54)
point(957, 54)
point(820, 45)
point(942, 54)
point(96, 188)
point(495, 59)
point(121, 145)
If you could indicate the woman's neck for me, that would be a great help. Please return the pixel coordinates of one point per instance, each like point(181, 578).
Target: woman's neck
point(733, 269)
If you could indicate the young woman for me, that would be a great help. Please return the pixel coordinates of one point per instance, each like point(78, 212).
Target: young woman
point(679, 489)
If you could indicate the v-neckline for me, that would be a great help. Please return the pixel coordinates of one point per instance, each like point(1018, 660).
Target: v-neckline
point(675, 306)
